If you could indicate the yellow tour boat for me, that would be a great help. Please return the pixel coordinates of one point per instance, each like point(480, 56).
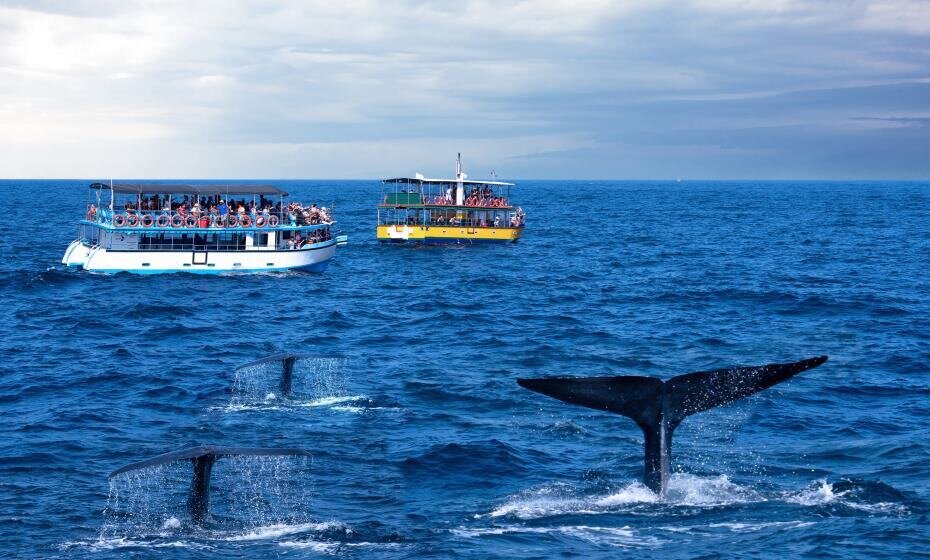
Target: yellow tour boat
point(421, 210)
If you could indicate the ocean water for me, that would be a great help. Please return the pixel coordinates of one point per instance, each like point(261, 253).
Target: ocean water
point(423, 445)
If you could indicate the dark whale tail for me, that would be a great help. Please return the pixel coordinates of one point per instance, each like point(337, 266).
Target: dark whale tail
point(287, 368)
point(202, 458)
point(658, 407)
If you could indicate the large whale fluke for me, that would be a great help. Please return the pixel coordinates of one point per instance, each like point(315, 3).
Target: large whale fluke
point(202, 458)
point(658, 407)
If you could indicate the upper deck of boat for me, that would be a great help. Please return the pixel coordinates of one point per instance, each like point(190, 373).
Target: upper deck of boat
point(444, 182)
point(190, 189)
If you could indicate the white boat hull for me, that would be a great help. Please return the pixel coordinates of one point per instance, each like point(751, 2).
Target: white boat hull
point(76, 253)
point(97, 259)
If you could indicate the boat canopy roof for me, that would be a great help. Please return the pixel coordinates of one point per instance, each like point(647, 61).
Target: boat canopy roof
point(424, 181)
point(153, 188)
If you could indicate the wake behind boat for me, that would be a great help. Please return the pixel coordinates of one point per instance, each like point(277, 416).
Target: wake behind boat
point(204, 229)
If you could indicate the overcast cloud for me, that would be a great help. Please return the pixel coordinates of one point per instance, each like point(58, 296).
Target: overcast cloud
point(542, 89)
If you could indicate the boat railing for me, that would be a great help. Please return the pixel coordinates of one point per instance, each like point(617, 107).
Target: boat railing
point(206, 240)
point(172, 219)
point(417, 199)
point(515, 222)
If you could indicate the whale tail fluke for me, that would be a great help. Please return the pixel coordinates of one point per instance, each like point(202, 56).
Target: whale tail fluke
point(202, 458)
point(699, 391)
point(632, 396)
point(659, 406)
point(287, 361)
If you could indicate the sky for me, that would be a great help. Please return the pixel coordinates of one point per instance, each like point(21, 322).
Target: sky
point(582, 89)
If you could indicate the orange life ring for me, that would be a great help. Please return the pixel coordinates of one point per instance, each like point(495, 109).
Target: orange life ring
point(119, 220)
point(246, 221)
point(164, 220)
point(147, 220)
point(273, 221)
point(232, 221)
point(132, 220)
point(260, 221)
point(190, 221)
point(177, 220)
point(219, 221)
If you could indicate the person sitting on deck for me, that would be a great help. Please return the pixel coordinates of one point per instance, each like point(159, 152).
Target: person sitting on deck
point(497, 220)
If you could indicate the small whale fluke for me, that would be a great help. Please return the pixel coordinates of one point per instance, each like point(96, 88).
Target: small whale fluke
point(287, 368)
point(658, 407)
point(202, 458)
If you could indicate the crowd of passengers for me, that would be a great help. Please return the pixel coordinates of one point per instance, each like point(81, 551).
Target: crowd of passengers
point(477, 196)
point(215, 206)
point(517, 220)
point(316, 236)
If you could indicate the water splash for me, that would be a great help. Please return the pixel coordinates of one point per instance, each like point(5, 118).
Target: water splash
point(690, 491)
point(321, 378)
point(247, 493)
point(314, 379)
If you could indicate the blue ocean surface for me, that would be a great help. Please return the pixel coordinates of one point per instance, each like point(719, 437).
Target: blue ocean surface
point(422, 443)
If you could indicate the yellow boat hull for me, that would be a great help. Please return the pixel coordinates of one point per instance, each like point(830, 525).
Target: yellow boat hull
point(447, 234)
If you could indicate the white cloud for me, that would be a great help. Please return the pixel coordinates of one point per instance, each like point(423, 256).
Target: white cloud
point(321, 84)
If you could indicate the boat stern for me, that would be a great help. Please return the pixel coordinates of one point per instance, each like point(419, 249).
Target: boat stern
point(76, 254)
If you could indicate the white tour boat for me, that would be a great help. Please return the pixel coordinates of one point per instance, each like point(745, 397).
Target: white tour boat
point(205, 229)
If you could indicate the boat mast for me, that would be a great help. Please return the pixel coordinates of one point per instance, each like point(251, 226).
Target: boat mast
point(459, 179)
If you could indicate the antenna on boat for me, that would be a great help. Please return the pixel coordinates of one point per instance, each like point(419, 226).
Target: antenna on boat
point(459, 181)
